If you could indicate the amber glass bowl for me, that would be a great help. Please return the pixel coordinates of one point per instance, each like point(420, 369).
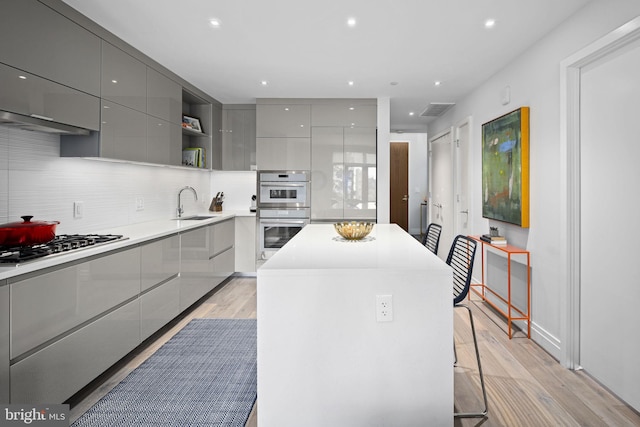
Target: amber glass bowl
point(353, 230)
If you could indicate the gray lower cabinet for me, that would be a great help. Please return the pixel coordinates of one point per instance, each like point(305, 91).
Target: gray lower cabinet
point(207, 259)
point(59, 370)
point(245, 244)
point(37, 39)
point(222, 236)
point(4, 342)
point(30, 95)
point(159, 286)
point(70, 324)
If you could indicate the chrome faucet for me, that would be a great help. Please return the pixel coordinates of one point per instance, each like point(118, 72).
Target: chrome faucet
point(180, 210)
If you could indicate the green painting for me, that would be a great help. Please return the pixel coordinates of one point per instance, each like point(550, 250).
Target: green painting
point(505, 168)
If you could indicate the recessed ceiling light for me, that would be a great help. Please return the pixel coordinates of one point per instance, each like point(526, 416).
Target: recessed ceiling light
point(437, 83)
point(411, 113)
point(489, 23)
point(286, 108)
point(351, 22)
point(22, 77)
point(215, 22)
point(264, 82)
point(114, 81)
point(352, 108)
point(351, 83)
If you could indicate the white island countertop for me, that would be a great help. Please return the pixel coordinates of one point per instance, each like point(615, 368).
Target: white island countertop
point(324, 359)
point(319, 247)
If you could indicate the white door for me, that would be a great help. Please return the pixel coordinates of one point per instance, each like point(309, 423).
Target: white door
point(441, 183)
point(462, 178)
point(610, 202)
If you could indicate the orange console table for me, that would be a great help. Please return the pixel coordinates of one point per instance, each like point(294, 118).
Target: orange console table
point(481, 289)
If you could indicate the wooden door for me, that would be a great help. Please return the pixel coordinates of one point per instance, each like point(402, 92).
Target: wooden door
point(399, 185)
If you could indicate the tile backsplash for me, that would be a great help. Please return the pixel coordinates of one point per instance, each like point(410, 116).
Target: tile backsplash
point(34, 180)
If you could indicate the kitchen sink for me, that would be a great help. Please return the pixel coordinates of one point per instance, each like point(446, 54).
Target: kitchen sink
point(196, 218)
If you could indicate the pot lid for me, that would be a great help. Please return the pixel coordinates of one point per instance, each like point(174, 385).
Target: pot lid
point(28, 223)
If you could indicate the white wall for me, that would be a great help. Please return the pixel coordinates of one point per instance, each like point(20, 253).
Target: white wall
point(237, 186)
point(418, 162)
point(534, 79)
point(383, 155)
point(34, 180)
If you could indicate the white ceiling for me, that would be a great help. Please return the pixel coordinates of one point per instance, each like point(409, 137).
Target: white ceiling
point(304, 48)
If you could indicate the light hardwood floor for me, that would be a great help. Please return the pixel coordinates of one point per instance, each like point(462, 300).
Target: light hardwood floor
point(525, 385)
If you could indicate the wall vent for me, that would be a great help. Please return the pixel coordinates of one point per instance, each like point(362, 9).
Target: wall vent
point(435, 109)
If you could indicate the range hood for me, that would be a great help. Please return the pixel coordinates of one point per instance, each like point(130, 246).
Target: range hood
point(39, 124)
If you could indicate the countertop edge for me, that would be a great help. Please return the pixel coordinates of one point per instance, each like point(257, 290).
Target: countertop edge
point(137, 234)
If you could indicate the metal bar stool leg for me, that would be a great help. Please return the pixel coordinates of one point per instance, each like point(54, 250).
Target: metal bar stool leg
point(483, 413)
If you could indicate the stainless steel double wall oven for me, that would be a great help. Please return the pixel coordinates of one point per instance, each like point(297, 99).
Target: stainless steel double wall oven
point(284, 199)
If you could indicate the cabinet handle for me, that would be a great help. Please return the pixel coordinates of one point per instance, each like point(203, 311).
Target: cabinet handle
point(38, 116)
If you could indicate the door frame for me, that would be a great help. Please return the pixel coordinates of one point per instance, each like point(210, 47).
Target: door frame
point(467, 121)
point(570, 70)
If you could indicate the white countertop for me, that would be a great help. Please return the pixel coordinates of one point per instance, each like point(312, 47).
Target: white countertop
point(135, 233)
point(319, 247)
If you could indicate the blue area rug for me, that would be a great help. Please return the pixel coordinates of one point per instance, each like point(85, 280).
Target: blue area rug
point(204, 376)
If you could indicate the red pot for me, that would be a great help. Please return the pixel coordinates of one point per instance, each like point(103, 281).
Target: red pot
point(28, 232)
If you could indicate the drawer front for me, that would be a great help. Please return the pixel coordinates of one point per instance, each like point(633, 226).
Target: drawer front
point(222, 236)
point(56, 372)
point(158, 307)
point(51, 304)
point(159, 261)
point(223, 266)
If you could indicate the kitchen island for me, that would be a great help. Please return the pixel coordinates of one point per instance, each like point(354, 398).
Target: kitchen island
point(325, 359)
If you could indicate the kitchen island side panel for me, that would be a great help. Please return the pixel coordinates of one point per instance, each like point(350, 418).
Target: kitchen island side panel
point(323, 359)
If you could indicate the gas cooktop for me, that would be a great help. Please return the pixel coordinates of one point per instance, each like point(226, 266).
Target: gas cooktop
point(62, 243)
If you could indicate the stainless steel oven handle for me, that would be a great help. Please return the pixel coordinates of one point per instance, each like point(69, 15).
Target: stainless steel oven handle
point(282, 184)
point(282, 222)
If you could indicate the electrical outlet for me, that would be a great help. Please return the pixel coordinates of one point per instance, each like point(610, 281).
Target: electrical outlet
point(384, 308)
point(139, 203)
point(78, 210)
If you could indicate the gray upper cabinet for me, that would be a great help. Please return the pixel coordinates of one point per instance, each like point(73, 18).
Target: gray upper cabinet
point(164, 141)
point(124, 134)
point(239, 137)
point(35, 38)
point(124, 78)
point(346, 114)
point(30, 95)
point(164, 97)
point(283, 120)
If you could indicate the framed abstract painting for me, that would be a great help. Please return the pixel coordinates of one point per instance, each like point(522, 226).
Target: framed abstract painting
point(505, 168)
